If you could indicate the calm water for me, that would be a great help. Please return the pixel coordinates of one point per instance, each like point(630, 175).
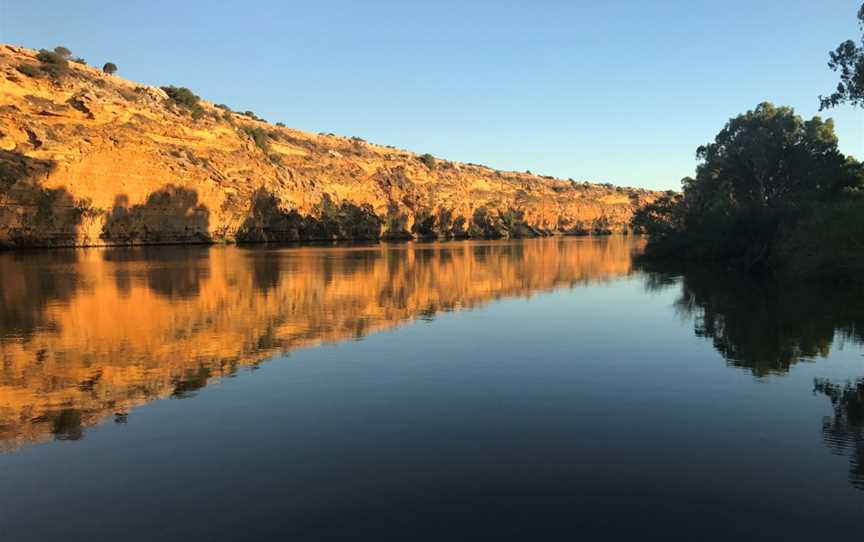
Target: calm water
point(450, 391)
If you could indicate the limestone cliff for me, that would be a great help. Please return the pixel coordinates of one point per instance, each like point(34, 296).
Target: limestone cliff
point(91, 159)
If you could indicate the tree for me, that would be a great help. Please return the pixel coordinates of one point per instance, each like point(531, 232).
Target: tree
point(848, 59)
point(110, 68)
point(661, 217)
point(767, 157)
point(763, 170)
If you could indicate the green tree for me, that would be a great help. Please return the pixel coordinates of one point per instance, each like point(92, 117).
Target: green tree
point(110, 68)
point(762, 171)
point(767, 157)
point(848, 60)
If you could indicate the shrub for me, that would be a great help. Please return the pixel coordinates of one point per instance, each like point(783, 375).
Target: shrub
point(130, 95)
point(428, 160)
point(601, 226)
point(223, 107)
point(30, 70)
point(79, 60)
point(514, 221)
point(445, 221)
point(259, 136)
point(63, 52)
point(110, 68)
point(50, 57)
point(424, 223)
point(182, 96)
point(827, 243)
point(185, 98)
point(481, 224)
point(52, 63)
point(280, 124)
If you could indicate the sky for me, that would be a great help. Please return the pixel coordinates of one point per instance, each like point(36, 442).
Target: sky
point(616, 91)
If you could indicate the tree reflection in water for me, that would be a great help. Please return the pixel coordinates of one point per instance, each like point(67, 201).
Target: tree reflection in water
point(765, 328)
point(844, 431)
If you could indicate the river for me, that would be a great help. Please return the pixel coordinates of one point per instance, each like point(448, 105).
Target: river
point(453, 390)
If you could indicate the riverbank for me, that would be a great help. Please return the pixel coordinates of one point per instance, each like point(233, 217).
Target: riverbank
point(91, 159)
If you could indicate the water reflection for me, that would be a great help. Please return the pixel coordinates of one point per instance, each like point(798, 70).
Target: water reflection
point(761, 326)
point(24, 296)
point(765, 328)
point(844, 432)
point(88, 334)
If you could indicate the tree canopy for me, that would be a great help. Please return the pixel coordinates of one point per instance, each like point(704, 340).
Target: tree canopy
point(761, 171)
point(848, 60)
point(768, 157)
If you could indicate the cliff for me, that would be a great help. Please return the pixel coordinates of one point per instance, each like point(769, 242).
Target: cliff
point(88, 158)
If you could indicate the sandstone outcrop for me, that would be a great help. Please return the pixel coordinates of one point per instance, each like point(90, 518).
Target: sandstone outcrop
point(92, 159)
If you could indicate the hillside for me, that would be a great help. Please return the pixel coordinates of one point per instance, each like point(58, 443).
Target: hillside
point(88, 158)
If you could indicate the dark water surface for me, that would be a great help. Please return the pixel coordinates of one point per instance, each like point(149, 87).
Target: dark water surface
point(456, 391)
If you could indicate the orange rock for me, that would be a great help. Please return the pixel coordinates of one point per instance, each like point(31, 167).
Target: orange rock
point(93, 159)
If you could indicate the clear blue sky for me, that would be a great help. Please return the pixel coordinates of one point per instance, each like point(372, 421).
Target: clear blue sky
point(619, 91)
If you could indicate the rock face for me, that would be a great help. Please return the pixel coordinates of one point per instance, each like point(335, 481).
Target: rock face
point(91, 159)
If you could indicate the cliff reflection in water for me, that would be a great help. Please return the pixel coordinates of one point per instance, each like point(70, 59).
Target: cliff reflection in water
point(88, 334)
point(765, 328)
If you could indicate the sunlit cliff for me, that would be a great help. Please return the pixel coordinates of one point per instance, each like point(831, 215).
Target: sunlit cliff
point(88, 158)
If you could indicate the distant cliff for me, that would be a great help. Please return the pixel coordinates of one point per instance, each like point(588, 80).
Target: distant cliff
point(88, 158)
